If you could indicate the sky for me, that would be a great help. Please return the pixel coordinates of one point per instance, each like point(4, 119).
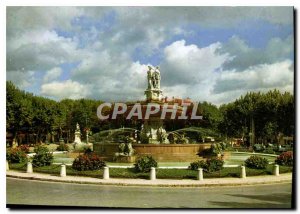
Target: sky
point(213, 54)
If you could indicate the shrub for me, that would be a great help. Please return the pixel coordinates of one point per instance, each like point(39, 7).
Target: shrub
point(88, 150)
point(42, 157)
point(15, 155)
point(216, 148)
point(210, 165)
point(63, 147)
point(198, 164)
point(89, 161)
point(144, 164)
point(214, 164)
point(256, 162)
point(269, 150)
point(24, 148)
point(285, 158)
point(40, 149)
point(257, 147)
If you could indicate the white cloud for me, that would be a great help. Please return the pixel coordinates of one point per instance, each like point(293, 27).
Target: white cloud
point(189, 64)
point(111, 76)
point(245, 56)
point(21, 78)
point(22, 19)
point(52, 74)
point(264, 76)
point(40, 39)
point(67, 89)
point(40, 50)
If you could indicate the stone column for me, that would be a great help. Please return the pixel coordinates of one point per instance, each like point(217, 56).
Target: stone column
point(243, 172)
point(63, 172)
point(29, 167)
point(152, 173)
point(106, 173)
point(200, 174)
point(276, 170)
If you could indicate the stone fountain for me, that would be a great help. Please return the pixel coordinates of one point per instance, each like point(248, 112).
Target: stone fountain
point(152, 131)
point(153, 136)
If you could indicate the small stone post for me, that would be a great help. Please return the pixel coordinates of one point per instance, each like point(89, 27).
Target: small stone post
point(152, 174)
point(29, 167)
point(7, 166)
point(243, 172)
point(276, 170)
point(200, 174)
point(106, 173)
point(63, 172)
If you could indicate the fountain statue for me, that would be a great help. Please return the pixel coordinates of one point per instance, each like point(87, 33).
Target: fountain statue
point(153, 92)
point(152, 130)
point(78, 145)
point(77, 134)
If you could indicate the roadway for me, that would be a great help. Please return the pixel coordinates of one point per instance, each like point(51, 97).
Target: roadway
point(30, 192)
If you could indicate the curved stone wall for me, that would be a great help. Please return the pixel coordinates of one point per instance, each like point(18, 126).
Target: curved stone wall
point(161, 152)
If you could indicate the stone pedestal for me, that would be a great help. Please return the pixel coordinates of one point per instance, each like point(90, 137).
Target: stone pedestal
point(125, 159)
point(276, 170)
point(153, 95)
point(200, 174)
point(152, 174)
point(243, 172)
point(63, 172)
point(106, 173)
point(29, 167)
point(77, 137)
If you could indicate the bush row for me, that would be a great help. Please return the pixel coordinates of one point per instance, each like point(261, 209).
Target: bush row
point(210, 165)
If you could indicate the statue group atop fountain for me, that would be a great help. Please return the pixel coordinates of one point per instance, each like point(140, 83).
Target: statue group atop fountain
point(153, 78)
point(153, 92)
point(152, 130)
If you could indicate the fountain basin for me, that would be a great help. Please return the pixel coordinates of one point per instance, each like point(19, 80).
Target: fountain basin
point(161, 152)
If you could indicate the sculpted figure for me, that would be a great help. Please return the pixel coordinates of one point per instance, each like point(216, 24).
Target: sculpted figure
point(157, 77)
point(149, 77)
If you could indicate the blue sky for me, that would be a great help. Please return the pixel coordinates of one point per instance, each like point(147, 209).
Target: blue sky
point(103, 52)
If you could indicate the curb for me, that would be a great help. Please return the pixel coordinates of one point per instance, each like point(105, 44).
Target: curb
point(148, 183)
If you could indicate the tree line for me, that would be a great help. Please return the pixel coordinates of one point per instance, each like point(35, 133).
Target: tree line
point(257, 117)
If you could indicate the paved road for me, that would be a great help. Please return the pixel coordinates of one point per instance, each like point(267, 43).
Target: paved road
point(63, 194)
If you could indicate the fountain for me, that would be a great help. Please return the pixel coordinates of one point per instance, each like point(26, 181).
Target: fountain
point(153, 138)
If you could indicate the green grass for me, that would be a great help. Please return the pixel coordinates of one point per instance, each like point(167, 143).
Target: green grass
point(233, 159)
point(239, 158)
point(161, 173)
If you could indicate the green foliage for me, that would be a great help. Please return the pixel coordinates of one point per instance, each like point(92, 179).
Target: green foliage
point(258, 147)
point(42, 157)
point(215, 149)
point(15, 155)
point(198, 164)
point(272, 113)
point(210, 165)
point(269, 150)
point(41, 149)
point(89, 161)
point(285, 159)
point(256, 162)
point(63, 147)
point(144, 164)
point(214, 164)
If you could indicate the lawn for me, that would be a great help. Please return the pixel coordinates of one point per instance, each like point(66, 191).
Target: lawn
point(161, 173)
